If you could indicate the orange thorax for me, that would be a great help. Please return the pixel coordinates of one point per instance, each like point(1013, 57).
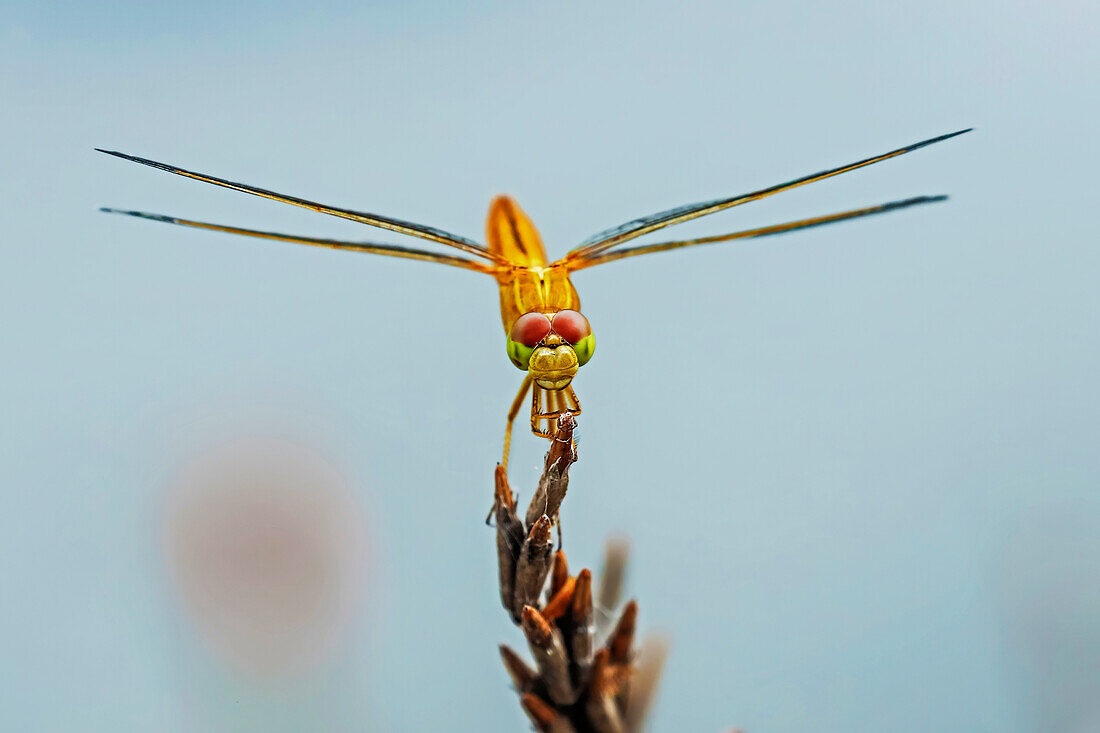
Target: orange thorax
point(527, 283)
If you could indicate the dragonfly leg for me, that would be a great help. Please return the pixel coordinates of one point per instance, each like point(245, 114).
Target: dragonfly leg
point(549, 404)
point(543, 410)
point(571, 401)
point(512, 413)
point(573, 405)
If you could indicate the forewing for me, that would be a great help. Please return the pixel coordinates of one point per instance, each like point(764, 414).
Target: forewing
point(369, 247)
point(609, 238)
point(396, 225)
point(790, 226)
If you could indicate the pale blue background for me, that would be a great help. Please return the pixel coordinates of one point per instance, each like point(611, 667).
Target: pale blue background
point(876, 503)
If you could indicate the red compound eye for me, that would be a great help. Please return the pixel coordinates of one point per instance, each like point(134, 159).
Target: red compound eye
point(530, 328)
point(571, 326)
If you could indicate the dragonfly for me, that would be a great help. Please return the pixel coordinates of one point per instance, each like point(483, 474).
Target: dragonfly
point(547, 336)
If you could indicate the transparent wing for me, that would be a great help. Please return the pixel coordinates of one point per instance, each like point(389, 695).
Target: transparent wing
point(378, 249)
point(396, 225)
point(750, 233)
point(609, 238)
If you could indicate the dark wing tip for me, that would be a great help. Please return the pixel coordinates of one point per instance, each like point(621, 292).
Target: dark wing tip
point(913, 201)
point(117, 154)
point(933, 141)
point(140, 214)
point(941, 138)
point(138, 159)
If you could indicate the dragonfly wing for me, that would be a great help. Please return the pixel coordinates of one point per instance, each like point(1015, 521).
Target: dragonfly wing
point(370, 247)
point(609, 238)
point(396, 225)
point(790, 226)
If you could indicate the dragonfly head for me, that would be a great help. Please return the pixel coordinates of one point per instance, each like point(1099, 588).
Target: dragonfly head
point(551, 346)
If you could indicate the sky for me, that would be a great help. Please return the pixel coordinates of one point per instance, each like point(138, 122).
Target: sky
point(242, 483)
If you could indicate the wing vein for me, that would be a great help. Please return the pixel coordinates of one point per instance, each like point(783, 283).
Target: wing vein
point(767, 231)
point(384, 222)
point(369, 247)
point(609, 238)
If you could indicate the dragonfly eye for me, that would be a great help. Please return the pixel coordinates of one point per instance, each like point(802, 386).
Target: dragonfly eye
point(528, 330)
point(575, 330)
point(571, 326)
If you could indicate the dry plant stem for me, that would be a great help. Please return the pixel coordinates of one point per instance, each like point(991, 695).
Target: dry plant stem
point(560, 574)
point(573, 687)
point(555, 478)
point(612, 574)
point(620, 643)
point(580, 612)
point(540, 712)
point(533, 565)
point(622, 638)
point(646, 677)
point(602, 712)
point(510, 536)
point(548, 649)
point(523, 677)
point(559, 601)
point(562, 725)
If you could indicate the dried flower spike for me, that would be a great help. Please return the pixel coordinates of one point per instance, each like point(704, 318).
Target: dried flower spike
point(523, 677)
point(623, 636)
point(541, 714)
point(554, 481)
point(612, 574)
point(559, 603)
point(571, 688)
point(533, 565)
point(603, 714)
point(580, 611)
point(559, 574)
point(548, 649)
point(510, 536)
point(643, 686)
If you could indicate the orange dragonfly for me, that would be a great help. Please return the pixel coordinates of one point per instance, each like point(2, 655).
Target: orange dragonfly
point(547, 337)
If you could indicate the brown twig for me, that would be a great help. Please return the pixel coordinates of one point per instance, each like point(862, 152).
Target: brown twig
point(603, 714)
point(533, 564)
point(560, 574)
point(548, 649)
point(523, 677)
point(647, 675)
point(559, 601)
point(612, 574)
point(574, 687)
point(554, 481)
point(510, 537)
point(580, 611)
point(622, 638)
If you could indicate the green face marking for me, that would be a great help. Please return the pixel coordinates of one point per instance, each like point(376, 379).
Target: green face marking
point(519, 354)
point(584, 348)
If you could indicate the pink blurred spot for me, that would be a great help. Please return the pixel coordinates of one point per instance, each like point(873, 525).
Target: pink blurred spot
point(267, 546)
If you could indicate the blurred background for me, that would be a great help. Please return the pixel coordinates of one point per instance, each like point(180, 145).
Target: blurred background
point(243, 483)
